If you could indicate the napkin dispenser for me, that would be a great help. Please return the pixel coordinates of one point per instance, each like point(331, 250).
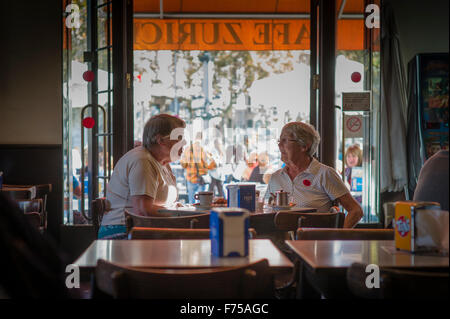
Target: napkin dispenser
point(420, 227)
point(243, 196)
point(229, 232)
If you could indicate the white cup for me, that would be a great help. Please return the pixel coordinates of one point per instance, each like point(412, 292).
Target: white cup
point(260, 206)
point(205, 198)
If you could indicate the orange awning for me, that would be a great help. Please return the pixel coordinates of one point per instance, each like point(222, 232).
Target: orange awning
point(238, 6)
point(238, 34)
point(244, 34)
point(218, 34)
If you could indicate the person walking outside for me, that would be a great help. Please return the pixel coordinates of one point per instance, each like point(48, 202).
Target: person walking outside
point(197, 163)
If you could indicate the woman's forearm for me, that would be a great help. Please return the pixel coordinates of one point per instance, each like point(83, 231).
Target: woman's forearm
point(353, 217)
point(144, 205)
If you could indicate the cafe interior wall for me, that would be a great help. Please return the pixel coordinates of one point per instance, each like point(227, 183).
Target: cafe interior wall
point(30, 98)
point(31, 91)
point(31, 108)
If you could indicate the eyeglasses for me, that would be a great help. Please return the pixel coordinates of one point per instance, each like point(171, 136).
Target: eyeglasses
point(285, 140)
point(180, 137)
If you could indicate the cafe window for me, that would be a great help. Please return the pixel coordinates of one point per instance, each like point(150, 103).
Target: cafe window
point(238, 81)
point(236, 77)
point(87, 105)
point(357, 129)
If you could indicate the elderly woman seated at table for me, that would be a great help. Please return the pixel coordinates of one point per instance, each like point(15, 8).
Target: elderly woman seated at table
point(309, 182)
point(142, 181)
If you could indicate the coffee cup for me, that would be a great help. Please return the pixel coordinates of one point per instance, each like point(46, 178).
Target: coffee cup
point(205, 198)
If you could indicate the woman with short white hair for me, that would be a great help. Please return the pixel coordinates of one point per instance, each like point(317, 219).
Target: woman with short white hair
point(309, 182)
point(142, 181)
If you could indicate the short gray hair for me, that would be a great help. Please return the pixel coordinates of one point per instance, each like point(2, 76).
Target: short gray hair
point(161, 124)
point(305, 134)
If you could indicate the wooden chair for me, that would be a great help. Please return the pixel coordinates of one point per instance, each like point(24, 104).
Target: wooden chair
point(33, 210)
point(30, 192)
point(287, 223)
point(98, 209)
point(31, 205)
point(173, 233)
point(344, 234)
point(34, 218)
point(244, 282)
point(291, 221)
point(192, 221)
point(399, 283)
point(264, 223)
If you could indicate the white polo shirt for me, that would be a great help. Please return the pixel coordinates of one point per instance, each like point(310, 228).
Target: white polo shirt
point(316, 187)
point(138, 173)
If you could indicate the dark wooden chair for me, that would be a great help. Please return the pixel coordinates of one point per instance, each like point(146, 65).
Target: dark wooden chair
point(28, 192)
point(399, 283)
point(98, 209)
point(19, 192)
point(31, 205)
point(173, 233)
point(344, 234)
point(291, 221)
point(192, 221)
point(264, 223)
point(287, 223)
point(245, 282)
point(34, 212)
point(34, 218)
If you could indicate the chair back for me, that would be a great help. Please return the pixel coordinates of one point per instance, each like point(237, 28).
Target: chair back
point(34, 219)
point(254, 280)
point(191, 221)
point(33, 210)
point(291, 221)
point(344, 234)
point(31, 205)
point(98, 209)
point(173, 233)
point(400, 283)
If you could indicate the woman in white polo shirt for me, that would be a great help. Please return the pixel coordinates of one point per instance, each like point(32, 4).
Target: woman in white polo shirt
point(142, 181)
point(309, 182)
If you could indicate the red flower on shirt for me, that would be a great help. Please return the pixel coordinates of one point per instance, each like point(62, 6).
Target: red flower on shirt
point(306, 182)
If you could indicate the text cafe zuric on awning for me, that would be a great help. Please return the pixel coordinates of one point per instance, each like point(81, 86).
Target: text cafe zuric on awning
point(227, 34)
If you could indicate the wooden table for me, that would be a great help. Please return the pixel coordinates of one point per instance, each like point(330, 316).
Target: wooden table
point(182, 211)
point(176, 254)
point(325, 262)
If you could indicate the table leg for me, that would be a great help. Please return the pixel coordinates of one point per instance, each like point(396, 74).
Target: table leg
point(304, 288)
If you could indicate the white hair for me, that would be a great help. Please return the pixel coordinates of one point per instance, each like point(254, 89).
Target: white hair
point(161, 124)
point(305, 134)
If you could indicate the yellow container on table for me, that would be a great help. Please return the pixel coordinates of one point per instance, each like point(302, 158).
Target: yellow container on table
point(405, 223)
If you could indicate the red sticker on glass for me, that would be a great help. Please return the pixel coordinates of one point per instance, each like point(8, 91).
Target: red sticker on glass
point(356, 77)
point(88, 122)
point(306, 182)
point(88, 76)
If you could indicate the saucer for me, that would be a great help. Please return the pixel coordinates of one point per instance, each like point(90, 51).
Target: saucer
point(203, 207)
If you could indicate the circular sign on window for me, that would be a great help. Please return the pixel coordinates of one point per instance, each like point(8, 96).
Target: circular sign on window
point(88, 76)
point(356, 77)
point(88, 122)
